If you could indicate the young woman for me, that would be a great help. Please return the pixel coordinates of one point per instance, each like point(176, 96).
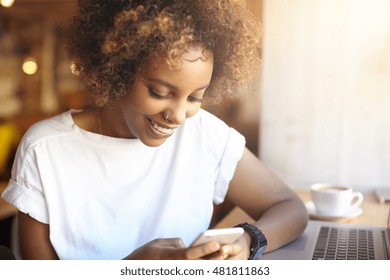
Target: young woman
point(137, 175)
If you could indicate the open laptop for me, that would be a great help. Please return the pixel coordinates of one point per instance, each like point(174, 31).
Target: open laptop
point(337, 241)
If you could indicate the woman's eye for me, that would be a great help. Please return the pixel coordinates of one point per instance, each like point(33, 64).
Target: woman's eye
point(195, 99)
point(158, 95)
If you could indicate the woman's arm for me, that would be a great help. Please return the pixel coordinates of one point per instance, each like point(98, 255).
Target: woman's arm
point(34, 239)
point(277, 210)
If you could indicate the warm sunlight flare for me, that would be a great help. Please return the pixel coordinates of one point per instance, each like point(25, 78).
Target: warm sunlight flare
point(30, 67)
point(7, 3)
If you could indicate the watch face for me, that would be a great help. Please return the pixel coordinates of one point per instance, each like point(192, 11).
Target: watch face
point(259, 253)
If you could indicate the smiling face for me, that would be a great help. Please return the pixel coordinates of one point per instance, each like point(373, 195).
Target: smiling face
point(159, 91)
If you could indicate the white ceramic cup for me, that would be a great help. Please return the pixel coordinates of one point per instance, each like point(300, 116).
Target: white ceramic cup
point(336, 200)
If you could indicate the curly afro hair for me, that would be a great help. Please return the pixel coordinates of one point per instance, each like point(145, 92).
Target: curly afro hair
point(109, 41)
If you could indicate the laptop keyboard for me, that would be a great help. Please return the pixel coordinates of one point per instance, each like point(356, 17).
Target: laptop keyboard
point(344, 244)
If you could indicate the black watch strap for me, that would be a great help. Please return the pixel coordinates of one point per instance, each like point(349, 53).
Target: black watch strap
point(258, 240)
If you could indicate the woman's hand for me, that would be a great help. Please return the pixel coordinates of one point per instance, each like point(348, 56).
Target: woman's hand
point(236, 251)
point(174, 249)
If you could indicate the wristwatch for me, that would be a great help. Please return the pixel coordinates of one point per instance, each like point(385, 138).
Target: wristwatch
point(258, 240)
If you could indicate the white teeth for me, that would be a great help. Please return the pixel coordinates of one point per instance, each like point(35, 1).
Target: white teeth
point(161, 129)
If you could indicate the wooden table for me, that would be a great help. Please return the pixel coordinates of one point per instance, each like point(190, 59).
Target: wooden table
point(6, 209)
point(374, 213)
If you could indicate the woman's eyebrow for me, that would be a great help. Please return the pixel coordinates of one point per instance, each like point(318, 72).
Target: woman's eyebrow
point(169, 85)
point(161, 82)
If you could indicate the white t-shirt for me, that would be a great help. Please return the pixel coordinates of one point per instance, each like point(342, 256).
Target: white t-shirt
point(103, 197)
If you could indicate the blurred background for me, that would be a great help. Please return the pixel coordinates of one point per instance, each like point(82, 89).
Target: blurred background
point(36, 81)
point(320, 111)
point(325, 92)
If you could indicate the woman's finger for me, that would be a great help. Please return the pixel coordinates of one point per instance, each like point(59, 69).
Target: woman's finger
point(230, 250)
point(201, 251)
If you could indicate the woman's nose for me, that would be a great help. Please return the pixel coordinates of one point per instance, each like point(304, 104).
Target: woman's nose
point(178, 112)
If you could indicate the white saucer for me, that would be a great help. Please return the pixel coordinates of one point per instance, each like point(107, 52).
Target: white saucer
point(351, 213)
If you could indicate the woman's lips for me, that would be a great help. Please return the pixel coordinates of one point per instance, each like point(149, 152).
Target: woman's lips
point(159, 129)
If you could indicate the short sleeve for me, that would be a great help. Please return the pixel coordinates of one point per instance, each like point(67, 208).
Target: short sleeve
point(26, 200)
point(24, 190)
point(232, 153)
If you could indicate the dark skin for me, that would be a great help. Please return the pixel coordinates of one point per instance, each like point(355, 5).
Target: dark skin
point(34, 239)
